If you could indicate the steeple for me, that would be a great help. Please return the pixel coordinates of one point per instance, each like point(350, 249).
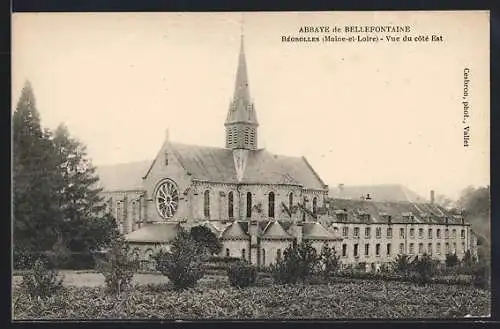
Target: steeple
point(241, 121)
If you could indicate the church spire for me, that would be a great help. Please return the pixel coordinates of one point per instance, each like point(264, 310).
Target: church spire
point(241, 121)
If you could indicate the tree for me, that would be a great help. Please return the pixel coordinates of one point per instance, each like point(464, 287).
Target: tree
point(85, 228)
point(476, 205)
point(444, 201)
point(468, 260)
point(206, 239)
point(299, 261)
point(183, 263)
point(36, 214)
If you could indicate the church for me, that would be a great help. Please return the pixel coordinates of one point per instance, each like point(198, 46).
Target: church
point(257, 202)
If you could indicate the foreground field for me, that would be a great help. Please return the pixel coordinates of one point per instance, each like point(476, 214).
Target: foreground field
point(215, 299)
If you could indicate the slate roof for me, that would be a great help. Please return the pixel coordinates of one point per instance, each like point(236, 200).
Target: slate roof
point(274, 230)
point(122, 177)
point(237, 230)
point(400, 212)
point(155, 233)
point(384, 193)
point(279, 230)
point(316, 231)
point(217, 165)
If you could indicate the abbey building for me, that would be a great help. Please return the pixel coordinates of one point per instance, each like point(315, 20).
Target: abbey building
point(258, 202)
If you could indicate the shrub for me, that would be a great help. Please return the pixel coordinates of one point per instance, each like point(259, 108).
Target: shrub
point(425, 267)
point(360, 267)
point(118, 266)
point(329, 261)
point(41, 281)
point(206, 240)
point(481, 276)
point(299, 261)
point(242, 274)
point(451, 260)
point(182, 264)
point(402, 264)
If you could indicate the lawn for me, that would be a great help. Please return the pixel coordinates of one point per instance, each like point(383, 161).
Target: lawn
point(213, 298)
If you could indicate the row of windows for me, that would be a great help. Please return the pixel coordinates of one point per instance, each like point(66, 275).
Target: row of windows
point(378, 233)
point(270, 208)
point(411, 249)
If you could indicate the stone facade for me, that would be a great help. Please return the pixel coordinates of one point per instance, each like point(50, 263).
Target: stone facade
point(258, 203)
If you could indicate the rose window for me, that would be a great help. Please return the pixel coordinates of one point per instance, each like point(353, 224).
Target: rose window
point(167, 198)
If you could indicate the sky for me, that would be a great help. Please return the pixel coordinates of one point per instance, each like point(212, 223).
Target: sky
point(361, 113)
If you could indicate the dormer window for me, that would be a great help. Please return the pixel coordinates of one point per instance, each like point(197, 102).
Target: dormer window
point(365, 217)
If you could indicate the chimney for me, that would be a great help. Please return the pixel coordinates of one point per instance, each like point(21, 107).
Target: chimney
point(341, 187)
point(432, 196)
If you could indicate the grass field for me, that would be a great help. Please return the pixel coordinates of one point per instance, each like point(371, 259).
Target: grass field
point(213, 298)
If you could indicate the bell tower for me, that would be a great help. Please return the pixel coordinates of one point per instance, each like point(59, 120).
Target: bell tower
point(241, 122)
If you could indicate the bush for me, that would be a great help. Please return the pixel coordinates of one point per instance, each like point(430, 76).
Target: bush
point(41, 281)
point(206, 239)
point(481, 276)
point(402, 264)
point(242, 274)
point(118, 266)
point(183, 264)
point(329, 261)
point(451, 260)
point(298, 263)
point(425, 266)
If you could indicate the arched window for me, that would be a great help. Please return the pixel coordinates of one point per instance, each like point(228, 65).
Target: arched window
point(243, 254)
point(230, 205)
point(228, 253)
point(263, 256)
point(249, 204)
point(271, 205)
point(206, 203)
point(315, 205)
point(290, 200)
point(278, 254)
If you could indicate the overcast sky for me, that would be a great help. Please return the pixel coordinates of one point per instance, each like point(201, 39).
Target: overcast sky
point(362, 113)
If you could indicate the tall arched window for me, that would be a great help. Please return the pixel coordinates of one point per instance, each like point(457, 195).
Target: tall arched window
point(249, 204)
point(278, 254)
point(230, 205)
point(263, 256)
point(271, 205)
point(290, 200)
point(315, 205)
point(206, 203)
point(228, 253)
point(243, 254)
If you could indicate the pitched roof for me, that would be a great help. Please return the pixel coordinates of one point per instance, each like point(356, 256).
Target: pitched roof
point(237, 230)
point(274, 230)
point(217, 165)
point(316, 231)
point(400, 212)
point(124, 176)
point(387, 192)
point(157, 233)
